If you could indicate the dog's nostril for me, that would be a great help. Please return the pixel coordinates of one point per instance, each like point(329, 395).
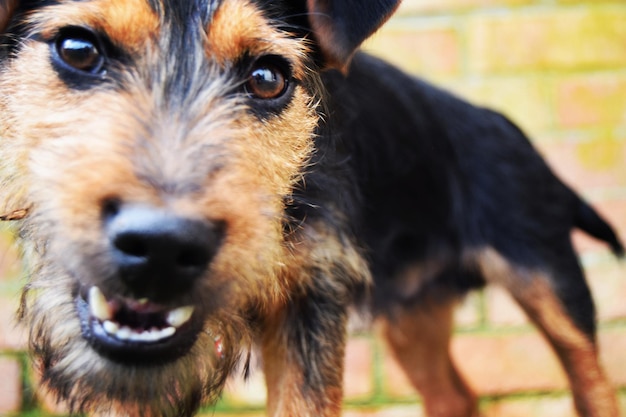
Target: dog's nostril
point(131, 244)
point(159, 255)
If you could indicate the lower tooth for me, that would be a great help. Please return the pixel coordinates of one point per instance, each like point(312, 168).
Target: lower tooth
point(145, 336)
point(124, 333)
point(110, 327)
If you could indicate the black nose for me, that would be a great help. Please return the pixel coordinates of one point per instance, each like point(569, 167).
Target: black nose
point(159, 255)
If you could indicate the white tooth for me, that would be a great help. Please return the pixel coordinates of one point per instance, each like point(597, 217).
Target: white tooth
point(179, 316)
point(124, 333)
point(151, 336)
point(167, 332)
point(140, 337)
point(110, 327)
point(98, 305)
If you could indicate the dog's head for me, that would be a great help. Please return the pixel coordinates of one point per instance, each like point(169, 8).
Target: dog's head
point(153, 147)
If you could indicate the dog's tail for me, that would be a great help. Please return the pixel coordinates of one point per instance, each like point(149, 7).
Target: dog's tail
point(592, 223)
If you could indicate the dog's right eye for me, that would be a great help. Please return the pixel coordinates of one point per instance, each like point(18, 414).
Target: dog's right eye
point(266, 82)
point(268, 78)
point(78, 48)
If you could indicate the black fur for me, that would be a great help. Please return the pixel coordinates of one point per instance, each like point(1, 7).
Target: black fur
point(438, 176)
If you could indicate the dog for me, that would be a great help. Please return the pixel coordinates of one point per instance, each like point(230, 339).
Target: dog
point(190, 180)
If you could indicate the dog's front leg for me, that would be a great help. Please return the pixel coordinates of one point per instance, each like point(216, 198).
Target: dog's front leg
point(303, 352)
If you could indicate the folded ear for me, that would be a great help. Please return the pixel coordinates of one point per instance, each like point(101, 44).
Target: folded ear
point(340, 26)
point(6, 11)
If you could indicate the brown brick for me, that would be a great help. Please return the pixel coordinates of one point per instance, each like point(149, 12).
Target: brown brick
point(395, 382)
point(10, 385)
point(608, 286)
point(526, 100)
point(413, 410)
point(586, 2)
point(548, 40)
point(468, 313)
point(539, 406)
point(612, 345)
point(591, 100)
point(614, 211)
point(247, 392)
point(358, 376)
point(429, 6)
point(12, 335)
point(426, 50)
point(503, 364)
point(501, 309)
point(605, 152)
point(9, 263)
point(589, 163)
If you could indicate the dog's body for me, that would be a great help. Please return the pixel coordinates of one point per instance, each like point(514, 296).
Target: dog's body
point(469, 202)
point(192, 178)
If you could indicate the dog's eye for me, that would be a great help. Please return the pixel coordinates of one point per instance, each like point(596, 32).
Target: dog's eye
point(78, 49)
point(266, 81)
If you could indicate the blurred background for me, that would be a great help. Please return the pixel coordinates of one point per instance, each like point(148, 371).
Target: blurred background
point(558, 69)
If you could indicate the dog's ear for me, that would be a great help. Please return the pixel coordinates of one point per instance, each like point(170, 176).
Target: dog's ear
point(340, 26)
point(6, 11)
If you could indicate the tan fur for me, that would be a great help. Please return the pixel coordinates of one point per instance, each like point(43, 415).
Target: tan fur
point(130, 23)
point(239, 27)
point(419, 339)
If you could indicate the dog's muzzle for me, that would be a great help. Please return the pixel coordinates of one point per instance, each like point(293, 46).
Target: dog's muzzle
point(157, 257)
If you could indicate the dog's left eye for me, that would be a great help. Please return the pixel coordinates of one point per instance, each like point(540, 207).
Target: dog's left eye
point(266, 81)
point(78, 49)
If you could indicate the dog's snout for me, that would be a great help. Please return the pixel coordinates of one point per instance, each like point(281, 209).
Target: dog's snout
point(159, 254)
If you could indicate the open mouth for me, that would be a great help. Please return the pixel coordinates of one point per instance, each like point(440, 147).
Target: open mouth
point(137, 331)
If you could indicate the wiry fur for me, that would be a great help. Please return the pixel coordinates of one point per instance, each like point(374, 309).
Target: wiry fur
point(356, 177)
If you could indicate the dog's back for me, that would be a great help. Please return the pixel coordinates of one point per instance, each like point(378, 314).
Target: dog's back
point(440, 175)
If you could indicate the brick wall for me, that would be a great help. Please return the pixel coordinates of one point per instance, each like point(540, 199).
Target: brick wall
point(558, 68)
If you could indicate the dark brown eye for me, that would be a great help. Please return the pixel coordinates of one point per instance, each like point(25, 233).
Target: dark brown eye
point(79, 51)
point(266, 82)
